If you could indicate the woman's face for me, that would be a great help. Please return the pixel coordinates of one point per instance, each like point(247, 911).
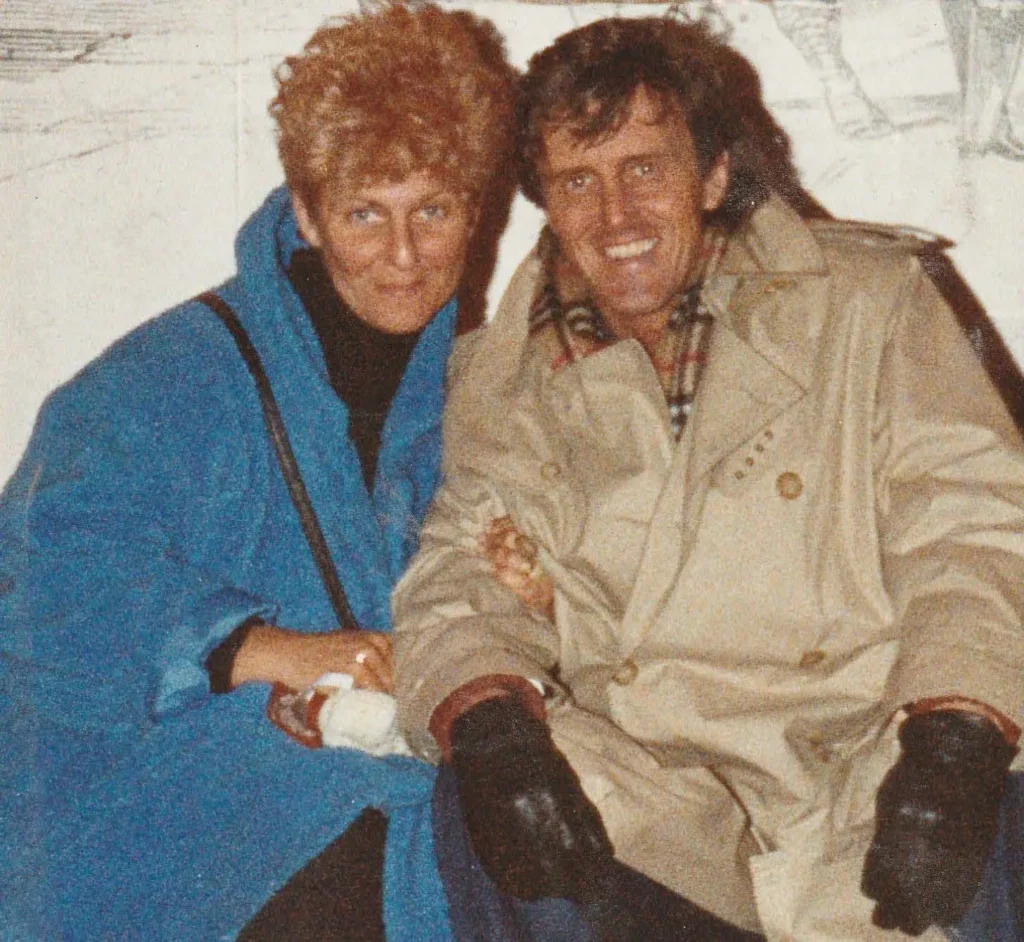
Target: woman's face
point(394, 251)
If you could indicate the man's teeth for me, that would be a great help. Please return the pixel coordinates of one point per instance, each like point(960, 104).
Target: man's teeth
point(630, 249)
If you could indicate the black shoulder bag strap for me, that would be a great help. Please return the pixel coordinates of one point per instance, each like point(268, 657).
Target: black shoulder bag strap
point(286, 460)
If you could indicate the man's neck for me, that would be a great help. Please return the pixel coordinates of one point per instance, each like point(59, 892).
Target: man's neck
point(648, 330)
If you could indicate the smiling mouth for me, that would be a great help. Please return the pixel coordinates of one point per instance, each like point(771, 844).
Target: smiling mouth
point(630, 249)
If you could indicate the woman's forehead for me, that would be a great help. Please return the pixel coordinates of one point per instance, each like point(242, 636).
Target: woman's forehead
point(414, 187)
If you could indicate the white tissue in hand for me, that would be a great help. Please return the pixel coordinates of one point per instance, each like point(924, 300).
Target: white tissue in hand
point(359, 719)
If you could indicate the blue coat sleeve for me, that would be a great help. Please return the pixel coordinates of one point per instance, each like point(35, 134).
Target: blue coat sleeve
point(124, 532)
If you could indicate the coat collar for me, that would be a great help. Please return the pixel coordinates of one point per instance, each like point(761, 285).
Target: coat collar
point(773, 241)
point(769, 295)
point(770, 288)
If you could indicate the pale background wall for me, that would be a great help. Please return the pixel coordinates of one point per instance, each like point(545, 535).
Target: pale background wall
point(134, 140)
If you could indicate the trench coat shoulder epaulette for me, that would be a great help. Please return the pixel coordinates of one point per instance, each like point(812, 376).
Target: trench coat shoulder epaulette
point(878, 236)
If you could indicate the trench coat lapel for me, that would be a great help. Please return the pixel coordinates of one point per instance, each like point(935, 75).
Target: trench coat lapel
point(761, 360)
point(770, 299)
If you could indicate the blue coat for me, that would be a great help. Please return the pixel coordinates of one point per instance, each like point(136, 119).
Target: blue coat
point(147, 519)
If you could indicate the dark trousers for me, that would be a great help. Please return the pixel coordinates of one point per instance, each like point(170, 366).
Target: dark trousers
point(623, 904)
point(336, 897)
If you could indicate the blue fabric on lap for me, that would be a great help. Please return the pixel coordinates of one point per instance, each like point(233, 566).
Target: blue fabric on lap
point(997, 914)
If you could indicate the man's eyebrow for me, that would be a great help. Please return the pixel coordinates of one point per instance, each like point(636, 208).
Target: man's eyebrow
point(650, 154)
point(570, 171)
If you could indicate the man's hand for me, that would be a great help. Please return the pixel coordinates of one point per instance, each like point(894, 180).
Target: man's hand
point(937, 814)
point(534, 830)
point(297, 660)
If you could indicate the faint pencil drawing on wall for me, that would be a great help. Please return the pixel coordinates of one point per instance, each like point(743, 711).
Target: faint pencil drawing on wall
point(986, 37)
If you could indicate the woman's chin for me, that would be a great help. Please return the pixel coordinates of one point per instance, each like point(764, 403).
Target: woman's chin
point(394, 312)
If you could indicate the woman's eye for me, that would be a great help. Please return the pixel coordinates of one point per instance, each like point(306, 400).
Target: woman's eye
point(645, 169)
point(364, 215)
point(433, 212)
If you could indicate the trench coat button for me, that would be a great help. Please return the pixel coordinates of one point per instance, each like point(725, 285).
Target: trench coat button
point(626, 673)
point(777, 284)
point(812, 658)
point(789, 485)
point(550, 471)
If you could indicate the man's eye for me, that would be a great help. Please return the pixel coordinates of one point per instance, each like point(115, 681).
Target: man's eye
point(577, 182)
point(645, 169)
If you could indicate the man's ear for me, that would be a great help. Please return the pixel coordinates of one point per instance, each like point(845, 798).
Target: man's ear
point(307, 224)
point(715, 183)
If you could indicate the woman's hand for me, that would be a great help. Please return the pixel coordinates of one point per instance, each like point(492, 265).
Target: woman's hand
point(297, 660)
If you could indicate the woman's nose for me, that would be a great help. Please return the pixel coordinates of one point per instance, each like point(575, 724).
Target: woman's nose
point(404, 251)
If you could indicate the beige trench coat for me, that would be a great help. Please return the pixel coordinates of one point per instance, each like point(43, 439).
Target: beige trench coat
point(739, 617)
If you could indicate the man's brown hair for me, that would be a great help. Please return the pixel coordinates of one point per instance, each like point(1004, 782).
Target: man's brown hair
point(587, 79)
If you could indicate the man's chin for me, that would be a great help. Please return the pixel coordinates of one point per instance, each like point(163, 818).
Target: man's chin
point(627, 305)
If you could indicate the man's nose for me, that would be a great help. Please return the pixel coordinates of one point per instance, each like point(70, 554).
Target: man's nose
point(614, 205)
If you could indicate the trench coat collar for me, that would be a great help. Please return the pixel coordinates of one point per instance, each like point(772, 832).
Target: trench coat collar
point(774, 240)
point(769, 289)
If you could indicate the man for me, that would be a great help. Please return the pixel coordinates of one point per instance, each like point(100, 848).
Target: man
point(781, 507)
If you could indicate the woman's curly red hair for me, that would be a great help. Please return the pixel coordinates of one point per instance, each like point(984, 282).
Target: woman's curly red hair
point(378, 95)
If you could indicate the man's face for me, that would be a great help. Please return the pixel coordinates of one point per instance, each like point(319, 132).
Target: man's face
point(627, 211)
point(394, 251)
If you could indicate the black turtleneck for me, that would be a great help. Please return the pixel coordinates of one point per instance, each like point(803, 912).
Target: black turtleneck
point(364, 364)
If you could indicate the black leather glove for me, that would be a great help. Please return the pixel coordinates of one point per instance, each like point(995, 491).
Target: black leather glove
point(534, 830)
point(937, 814)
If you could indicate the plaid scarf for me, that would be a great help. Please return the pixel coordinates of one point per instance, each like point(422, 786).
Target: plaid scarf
point(578, 330)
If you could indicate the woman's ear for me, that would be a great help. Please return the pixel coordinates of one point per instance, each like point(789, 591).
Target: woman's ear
point(306, 221)
point(472, 203)
point(715, 183)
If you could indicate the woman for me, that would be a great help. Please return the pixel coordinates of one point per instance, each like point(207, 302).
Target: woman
point(154, 576)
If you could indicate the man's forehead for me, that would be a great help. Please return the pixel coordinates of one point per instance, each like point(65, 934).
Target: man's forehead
point(645, 128)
